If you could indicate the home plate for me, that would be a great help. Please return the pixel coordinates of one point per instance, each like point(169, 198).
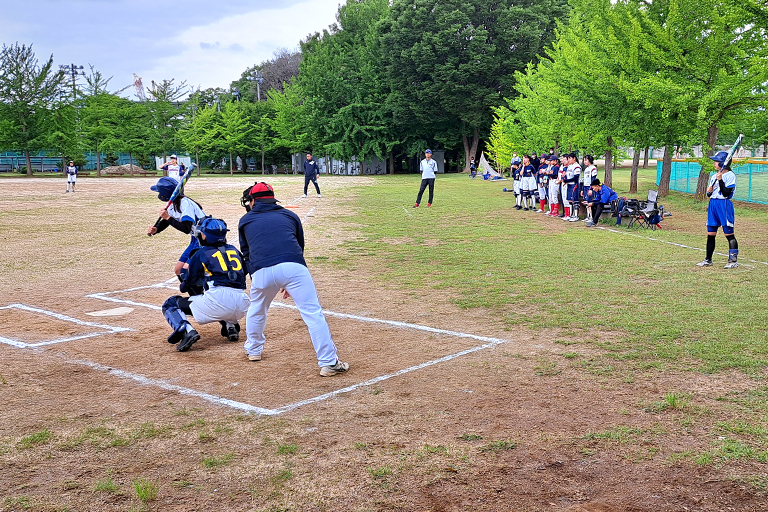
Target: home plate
point(111, 312)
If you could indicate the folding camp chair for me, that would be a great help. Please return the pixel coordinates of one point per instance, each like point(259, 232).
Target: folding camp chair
point(649, 214)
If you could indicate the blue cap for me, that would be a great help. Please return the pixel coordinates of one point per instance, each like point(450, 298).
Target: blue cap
point(428, 151)
point(719, 157)
point(164, 188)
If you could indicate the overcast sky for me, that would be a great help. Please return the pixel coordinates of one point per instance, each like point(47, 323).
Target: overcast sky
point(207, 43)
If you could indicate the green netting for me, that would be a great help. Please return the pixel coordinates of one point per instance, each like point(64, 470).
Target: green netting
point(751, 180)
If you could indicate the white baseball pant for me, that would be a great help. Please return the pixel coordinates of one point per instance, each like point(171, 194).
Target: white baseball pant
point(295, 278)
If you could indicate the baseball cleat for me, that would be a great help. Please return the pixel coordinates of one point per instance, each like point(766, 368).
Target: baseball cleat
point(416, 205)
point(319, 195)
point(705, 263)
point(254, 358)
point(189, 339)
point(330, 371)
point(305, 195)
point(232, 334)
point(731, 264)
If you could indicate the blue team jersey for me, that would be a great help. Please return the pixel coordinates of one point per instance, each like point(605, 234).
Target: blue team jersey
point(215, 266)
point(528, 171)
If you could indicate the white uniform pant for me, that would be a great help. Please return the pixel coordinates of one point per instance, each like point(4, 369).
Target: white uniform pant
point(295, 278)
point(219, 304)
point(71, 178)
point(564, 195)
point(553, 188)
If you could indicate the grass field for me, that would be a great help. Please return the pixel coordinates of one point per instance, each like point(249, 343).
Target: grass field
point(632, 380)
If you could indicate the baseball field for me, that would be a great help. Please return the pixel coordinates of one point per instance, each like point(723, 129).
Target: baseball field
point(499, 360)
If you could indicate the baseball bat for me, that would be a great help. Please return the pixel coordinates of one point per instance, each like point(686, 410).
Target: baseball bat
point(178, 190)
point(733, 150)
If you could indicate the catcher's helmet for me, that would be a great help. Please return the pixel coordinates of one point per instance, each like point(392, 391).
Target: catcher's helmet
point(215, 230)
point(164, 188)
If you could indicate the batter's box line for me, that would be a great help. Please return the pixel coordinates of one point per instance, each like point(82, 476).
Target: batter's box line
point(106, 295)
point(20, 344)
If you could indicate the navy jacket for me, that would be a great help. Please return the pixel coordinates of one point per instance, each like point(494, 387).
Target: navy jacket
point(311, 168)
point(270, 234)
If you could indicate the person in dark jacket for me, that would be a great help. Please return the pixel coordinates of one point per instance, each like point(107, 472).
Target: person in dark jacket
point(311, 171)
point(272, 244)
point(603, 196)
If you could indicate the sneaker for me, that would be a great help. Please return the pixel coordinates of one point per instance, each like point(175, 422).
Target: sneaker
point(574, 219)
point(518, 207)
point(525, 209)
point(589, 224)
point(429, 204)
point(705, 263)
point(330, 371)
point(254, 358)
point(416, 205)
point(305, 195)
point(67, 191)
point(189, 339)
point(319, 195)
point(731, 264)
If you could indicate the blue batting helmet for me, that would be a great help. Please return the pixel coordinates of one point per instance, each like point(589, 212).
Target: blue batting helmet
point(720, 157)
point(215, 230)
point(164, 188)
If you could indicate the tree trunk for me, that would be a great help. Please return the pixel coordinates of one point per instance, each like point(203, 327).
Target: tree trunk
point(197, 163)
point(130, 163)
point(29, 162)
point(465, 140)
point(666, 172)
point(633, 174)
point(472, 150)
point(98, 162)
point(645, 157)
point(701, 185)
point(391, 162)
point(608, 178)
point(262, 159)
point(231, 170)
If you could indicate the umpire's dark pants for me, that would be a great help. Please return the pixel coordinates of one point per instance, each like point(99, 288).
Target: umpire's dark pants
point(313, 179)
point(424, 183)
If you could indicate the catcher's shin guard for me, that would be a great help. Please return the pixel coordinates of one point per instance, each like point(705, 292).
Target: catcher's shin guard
point(175, 318)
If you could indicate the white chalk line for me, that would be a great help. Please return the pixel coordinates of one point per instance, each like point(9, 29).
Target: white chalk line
point(489, 342)
point(668, 242)
point(309, 214)
point(109, 329)
point(146, 381)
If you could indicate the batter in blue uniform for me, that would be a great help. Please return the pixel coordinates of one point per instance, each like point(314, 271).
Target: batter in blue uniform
point(182, 214)
point(720, 212)
point(215, 281)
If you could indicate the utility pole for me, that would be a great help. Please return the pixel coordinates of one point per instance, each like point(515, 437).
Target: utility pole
point(74, 72)
point(256, 77)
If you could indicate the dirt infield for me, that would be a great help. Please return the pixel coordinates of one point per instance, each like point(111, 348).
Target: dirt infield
point(121, 421)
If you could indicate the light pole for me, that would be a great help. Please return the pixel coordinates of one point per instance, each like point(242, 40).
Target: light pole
point(74, 72)
point(256, 77)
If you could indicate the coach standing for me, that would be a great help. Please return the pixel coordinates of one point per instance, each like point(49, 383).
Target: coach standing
point(720, 211)
point(428, 171)
point(311, 170)
point(272, 243)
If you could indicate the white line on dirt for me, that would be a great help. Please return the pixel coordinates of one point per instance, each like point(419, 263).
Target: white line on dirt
point(309, 214)
point(146, 381)
point(670, 243)
point(20, 344)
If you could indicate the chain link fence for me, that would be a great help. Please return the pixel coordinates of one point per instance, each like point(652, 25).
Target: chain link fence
point(751, 178)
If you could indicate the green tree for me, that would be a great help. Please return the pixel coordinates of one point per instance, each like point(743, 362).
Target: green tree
point(450, 61)
point(290, 121)
point(166, 114)
point(28, 93)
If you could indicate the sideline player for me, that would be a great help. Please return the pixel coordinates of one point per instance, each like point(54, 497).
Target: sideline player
point(311, 171)
point(272, 241)
point(720, 212)
point(174, 168)
point(71, 171)
point(182, 214)
point(215, 281)
point(571, 180)
point(428, 172)
point(554, 186)
point(528, 183)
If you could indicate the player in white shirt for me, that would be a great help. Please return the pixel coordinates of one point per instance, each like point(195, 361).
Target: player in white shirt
point(71, 171)
point(174, 168)
point(588, 175)
point(428, 170)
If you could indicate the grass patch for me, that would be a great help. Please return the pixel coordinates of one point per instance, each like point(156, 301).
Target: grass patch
point(287, 449)
point(381, 472)
point(107, 485)
point(41, 437)
point(212, 461)
point(146, 490)
point(22, 502)
point(499, 446)
point(470, 437)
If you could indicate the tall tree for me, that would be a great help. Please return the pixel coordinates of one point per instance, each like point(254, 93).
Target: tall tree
point(450, 61)
point(28, 92)
point(166, 111)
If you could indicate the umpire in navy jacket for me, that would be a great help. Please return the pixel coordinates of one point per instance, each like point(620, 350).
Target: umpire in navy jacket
point(311, 170)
